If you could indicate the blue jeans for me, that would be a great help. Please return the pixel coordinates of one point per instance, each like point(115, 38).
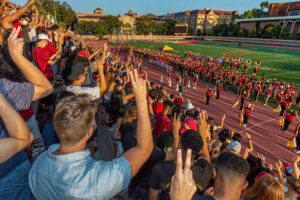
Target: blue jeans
point(15, 184)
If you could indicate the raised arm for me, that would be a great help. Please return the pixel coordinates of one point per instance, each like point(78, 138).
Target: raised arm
point(295, 166)
point(144, 135)
point(222, 123)
point(42, 87)
point(19, 134)
point(99, 67)
point(6, 21)
point(280, 177)
point(250, 142)
point(203, 131)
point(104, 54)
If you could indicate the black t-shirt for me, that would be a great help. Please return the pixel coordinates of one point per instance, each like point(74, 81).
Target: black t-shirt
point(144, 175)
point(164, 170)
point(199, 197)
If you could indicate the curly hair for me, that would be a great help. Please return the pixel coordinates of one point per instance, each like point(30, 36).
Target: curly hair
point(294, 184)
point(191, 139)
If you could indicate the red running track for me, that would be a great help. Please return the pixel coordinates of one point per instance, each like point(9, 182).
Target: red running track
point(267, 136)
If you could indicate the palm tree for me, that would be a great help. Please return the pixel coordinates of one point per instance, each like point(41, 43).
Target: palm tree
point(264, 5)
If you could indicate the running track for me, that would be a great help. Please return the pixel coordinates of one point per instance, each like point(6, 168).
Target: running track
point(268, 137)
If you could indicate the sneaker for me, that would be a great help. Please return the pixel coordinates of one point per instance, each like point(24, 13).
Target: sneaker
point(244, 125)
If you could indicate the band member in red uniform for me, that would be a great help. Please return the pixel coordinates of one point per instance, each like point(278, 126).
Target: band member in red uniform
point(289, 118)
point(140, 64)
point(267, 95)
point(169, 76)
point(195, 81)
point(219, 88)
point(243, 98)
point(208, 95)
point(257, 90)
point(177, 77)
point(297, 135)
point(247, 113)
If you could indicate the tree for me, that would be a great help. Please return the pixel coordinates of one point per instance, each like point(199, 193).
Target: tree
point(199, 32)
point(265, 5)
point(162, 29)
point(100, 30)
point(112, 24)
point(145, 26)
point(170, 26)
point(190, 31)
point(64, 13)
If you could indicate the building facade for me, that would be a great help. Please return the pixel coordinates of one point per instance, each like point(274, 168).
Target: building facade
point(292, 23)
point(284, 9)
point(96, 16)
point(129, 25)
point(204, 20)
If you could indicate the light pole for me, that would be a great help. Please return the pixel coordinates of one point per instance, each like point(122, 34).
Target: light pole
point(285, 18)
point(54, 11)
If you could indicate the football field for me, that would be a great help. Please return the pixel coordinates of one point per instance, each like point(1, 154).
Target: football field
point(284, 64)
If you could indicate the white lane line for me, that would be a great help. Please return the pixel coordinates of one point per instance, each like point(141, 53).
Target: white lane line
point(260, 124)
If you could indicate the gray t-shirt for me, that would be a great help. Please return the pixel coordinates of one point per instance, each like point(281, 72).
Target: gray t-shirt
point(19, 95)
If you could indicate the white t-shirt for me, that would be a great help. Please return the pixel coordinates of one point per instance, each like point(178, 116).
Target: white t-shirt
point(93, 91)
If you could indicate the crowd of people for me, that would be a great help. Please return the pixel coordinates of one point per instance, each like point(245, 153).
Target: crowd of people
point(82, 122)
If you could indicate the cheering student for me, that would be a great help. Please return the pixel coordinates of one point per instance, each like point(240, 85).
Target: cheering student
point(208, 95)
point(247, 114)
point(289, 118)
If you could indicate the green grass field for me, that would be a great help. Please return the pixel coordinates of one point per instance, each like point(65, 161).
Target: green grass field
point(284, 64)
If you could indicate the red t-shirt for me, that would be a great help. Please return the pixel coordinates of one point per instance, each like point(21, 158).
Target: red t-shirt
point(41, 58)
point(290, 117)
point(162, 124)
point(247, 111)
point(50, 49)
point(27, 114)
point(157, 108)
point(208, 94)
point(16, 24)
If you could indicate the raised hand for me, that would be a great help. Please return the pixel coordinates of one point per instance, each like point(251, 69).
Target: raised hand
point(138, 86)
point(248, 136)
point(15, 44)
point(224, 116)
point(183, 186)
point(105, 47)
point(176, 123)
point(278, 165)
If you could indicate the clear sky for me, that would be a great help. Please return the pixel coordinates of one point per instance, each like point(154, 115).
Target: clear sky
point(159, 7)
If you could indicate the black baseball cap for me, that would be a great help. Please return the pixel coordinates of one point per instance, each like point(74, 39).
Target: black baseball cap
point(76, 71)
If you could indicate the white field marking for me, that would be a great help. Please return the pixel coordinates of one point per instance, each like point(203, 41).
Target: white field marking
point(281, 73)
point(266, 68)
point(260, 124)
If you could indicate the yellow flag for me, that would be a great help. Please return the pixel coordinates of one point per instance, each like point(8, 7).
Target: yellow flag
point(235, 104)
point(281, 121)
point(277, 109)
point(241, 118)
